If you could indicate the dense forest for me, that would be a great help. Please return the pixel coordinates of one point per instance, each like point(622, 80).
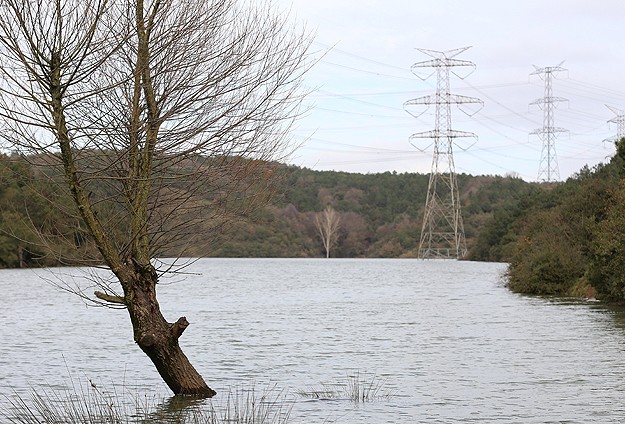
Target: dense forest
point(566, 239)
point(380, 214)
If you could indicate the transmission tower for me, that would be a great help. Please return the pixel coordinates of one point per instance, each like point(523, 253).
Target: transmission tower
point(619, 120)
point(548, 168)
point(442, 233)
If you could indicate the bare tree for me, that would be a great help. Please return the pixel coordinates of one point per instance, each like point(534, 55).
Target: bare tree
point(160, 118)
point(328, 224)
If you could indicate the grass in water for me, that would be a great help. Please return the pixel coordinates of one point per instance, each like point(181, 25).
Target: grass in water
point(357, 388)
point(89, 404)
point(93, 406)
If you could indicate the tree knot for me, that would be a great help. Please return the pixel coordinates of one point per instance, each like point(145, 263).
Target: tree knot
point(178, 327)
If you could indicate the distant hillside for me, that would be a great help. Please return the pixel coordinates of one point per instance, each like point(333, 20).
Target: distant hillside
point(380, 215)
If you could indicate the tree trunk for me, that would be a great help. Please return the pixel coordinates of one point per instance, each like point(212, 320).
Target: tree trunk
point(159, 340)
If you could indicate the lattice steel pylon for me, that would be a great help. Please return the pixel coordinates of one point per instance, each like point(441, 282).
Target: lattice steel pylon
point(548, 168)
point(442, 232)
point(619, 120)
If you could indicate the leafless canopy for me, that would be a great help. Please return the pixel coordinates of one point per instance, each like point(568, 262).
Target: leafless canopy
point(159, 116)
point(328, 224)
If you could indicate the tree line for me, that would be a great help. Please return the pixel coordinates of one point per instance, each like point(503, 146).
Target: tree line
point(369, 215)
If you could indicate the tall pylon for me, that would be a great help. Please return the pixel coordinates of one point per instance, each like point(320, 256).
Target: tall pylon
point(548, 168)
point(619, 120)
point(442, 233)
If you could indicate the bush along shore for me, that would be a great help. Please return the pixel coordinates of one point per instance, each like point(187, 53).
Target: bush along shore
point(566, 239)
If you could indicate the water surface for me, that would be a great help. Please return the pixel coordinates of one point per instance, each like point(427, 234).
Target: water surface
point(446, 338)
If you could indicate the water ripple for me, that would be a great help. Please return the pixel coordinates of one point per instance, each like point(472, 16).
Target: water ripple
point(449, 340)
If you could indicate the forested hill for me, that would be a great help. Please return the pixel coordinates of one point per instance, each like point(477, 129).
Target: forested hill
point(380, 215)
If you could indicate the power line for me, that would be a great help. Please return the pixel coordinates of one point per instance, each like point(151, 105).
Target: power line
point(346, 53)
point(347, 97)
point(594, 87)
point(351, 68)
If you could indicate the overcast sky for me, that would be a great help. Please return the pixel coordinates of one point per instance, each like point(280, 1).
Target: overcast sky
point(357, 122)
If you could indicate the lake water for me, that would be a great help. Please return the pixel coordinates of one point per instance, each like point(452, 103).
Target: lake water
point(447, 341)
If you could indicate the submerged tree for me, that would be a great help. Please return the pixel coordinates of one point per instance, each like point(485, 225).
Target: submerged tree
point(160, 119)
point(328, 224)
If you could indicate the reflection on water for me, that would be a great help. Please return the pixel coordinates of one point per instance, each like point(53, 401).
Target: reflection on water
point(176, 409)
point(446, 337)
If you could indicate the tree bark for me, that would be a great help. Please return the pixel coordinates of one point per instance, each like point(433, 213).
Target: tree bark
point(159, 339)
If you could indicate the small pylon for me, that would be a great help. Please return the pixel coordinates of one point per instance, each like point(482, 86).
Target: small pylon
point(619, 120)
point(548, 168)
